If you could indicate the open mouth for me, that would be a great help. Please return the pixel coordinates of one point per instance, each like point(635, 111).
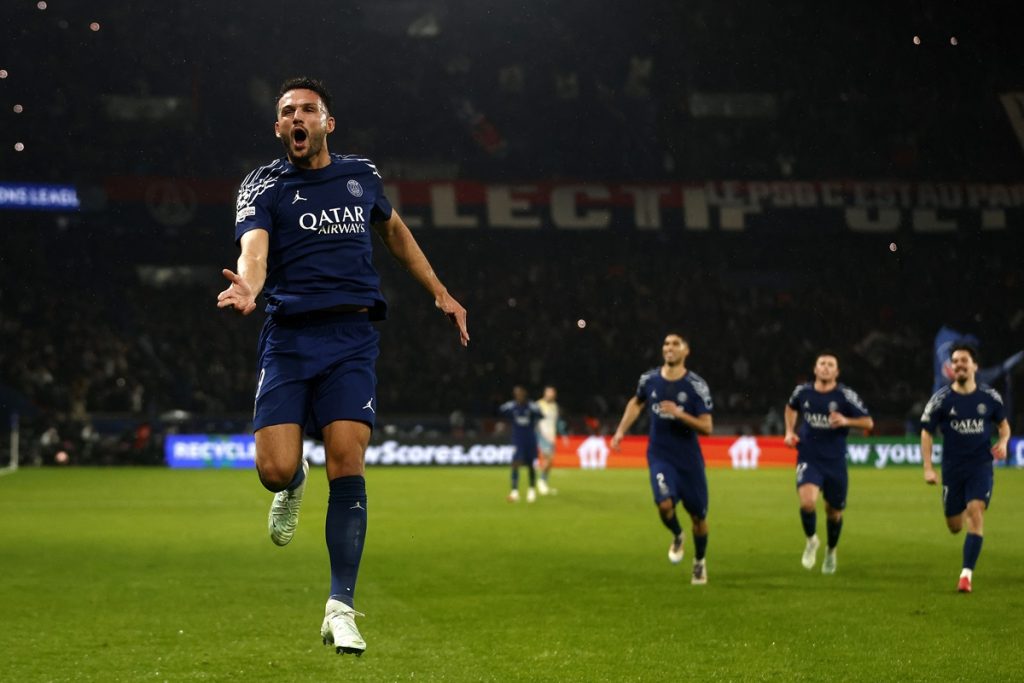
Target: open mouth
point(299, 136)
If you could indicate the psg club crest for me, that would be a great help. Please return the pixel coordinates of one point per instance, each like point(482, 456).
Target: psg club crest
point(832, 405)
point(982, 409)
point(681, 397)
point(354, 188)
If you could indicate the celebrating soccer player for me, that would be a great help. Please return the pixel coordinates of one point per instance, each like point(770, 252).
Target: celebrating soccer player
point(680, 408)
point(303, 224)
point(966, 412)
point(829, 409)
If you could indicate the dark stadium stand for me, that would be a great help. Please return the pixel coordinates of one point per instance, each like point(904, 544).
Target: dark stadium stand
point(108, 314)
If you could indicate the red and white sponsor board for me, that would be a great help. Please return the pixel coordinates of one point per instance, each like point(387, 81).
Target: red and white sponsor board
point(737, 452)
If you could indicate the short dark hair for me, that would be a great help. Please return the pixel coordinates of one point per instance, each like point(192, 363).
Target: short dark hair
point(676, 334)
point(305, 83)
point(827, 352)
point(964, 346)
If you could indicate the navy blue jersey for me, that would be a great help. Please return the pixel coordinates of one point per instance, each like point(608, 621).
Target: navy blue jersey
point(670, 439)
point(321, 254)
point(966, 421)
point(818, 441)
point(524, 417)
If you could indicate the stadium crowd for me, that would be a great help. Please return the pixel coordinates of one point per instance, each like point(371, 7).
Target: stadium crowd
point(91, 337)
point(578, 94)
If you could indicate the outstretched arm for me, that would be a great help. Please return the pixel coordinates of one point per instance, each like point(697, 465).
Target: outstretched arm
point(403, 246)
point(629, 416)
point(247, 283)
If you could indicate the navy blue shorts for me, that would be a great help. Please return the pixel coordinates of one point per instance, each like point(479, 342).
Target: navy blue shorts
point(687, 485)
point(964, 485)
point(316, 368)
point(830, 477)
point(525, 455)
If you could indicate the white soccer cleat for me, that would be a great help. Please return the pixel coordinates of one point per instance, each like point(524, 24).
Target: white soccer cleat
point(542, 487)
point(700, 573)
point(810, 552)
point(677, 549)
point(284, 511)
point(513, 497)
point(531, 495)
point(829, 565)
point(340, 630)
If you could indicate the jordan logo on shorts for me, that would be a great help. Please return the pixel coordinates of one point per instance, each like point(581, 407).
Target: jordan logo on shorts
point(369, 405)
point(298, 198)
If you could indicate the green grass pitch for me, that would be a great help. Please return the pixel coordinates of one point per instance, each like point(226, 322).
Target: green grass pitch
point(159, 575)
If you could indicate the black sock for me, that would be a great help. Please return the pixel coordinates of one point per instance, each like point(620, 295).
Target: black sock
point(701, 545)
point(673, 525)
point(833, 532)
point(810, 522)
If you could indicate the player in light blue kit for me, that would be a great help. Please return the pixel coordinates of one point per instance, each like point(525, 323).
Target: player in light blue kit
point(524, 415)
point(303, 223)
point(680, 407)
point(829, 410)
point(548, 430)
point(965, 412)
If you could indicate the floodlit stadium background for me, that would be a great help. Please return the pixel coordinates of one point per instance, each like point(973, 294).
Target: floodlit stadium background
point(769, 181)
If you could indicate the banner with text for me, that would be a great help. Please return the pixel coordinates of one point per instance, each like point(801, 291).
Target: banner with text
point(594, 452)
point(861, 206)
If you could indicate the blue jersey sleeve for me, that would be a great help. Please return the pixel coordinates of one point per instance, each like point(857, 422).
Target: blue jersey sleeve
point(256, 195)
point(854, 405)
point(703, 405)
point(932, 414)
point(382, 208)
point(794, 398)
point(641, 386)
point(998, 410)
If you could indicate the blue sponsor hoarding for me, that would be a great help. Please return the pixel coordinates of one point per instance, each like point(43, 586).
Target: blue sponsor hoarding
point(239, 450)
point(38, 197)
point(210, 450)
point(1015, 453)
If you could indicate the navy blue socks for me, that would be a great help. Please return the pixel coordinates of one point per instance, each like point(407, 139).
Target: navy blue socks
point(701, 545)
point(972, 548)
point(810, 522)
point(834, 528)
point(346, 533)
point(672, 524)
point(300, 476)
